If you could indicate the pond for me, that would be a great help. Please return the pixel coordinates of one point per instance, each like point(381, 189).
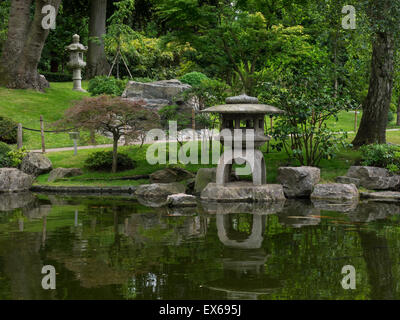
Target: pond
point(116, 248)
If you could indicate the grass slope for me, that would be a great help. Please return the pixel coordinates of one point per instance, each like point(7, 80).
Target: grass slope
point(26, 107)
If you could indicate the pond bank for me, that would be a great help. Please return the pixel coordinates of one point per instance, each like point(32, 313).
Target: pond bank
point(84, 189)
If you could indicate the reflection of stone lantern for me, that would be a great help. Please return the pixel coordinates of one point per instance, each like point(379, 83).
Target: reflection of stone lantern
point(244, 259)
point(76, 62)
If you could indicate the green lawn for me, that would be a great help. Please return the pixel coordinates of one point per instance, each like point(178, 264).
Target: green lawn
point(26, 107)
point(346, 121)
point(329, 168)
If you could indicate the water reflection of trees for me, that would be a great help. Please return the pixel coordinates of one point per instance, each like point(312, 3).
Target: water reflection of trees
point(119, 249)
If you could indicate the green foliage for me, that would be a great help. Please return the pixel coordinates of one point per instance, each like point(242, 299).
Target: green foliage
point(381, 155)
point(308, 101)
point(390, 116)
point(102, 161)
point(15, 157)
point(150, 58)
point(4, 159)
point(393, 168)
point(57, 76)
point(172, 113)
point(194, 78)
point(8, 130)
point(209, 92)
point(106, 85)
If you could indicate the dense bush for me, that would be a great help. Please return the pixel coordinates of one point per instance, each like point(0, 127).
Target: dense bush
point(4, 158)
point(57, 76)
point(8, 130)
point(106, 85)
point(102, 161)
point(381, 155)
point(194, 78)
point(308, 101)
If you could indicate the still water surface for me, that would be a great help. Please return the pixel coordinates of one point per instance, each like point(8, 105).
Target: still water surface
point(116, 248)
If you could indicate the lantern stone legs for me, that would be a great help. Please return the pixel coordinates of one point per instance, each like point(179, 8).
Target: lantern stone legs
point(254, 158)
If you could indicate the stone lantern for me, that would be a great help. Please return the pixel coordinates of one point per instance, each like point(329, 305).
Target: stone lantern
point(246, 114)
point(242, 117)
point(76, 62)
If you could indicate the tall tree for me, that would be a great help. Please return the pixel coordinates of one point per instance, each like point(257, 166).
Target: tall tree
point(97, 63)
point(23, 48)
point(383, 14)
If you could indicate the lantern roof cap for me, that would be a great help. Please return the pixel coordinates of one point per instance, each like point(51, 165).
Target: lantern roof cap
point(75, 45)
point(243, 104)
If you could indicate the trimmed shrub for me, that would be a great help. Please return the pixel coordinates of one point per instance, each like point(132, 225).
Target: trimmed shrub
point(103, 85)
point(194, 78)
point(8, 130)
point(4, 158)
point(102, 161)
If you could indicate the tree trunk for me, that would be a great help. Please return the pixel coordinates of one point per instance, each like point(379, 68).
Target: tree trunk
point(24, 45)
point(97, 63)
point(115, 155)
point(18, 24)
point(376, 106)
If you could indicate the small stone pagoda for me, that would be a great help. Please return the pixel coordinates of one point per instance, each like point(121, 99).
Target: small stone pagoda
point(247, 115)
point(76, 62)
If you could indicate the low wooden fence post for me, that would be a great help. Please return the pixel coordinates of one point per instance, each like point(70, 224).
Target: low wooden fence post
point(42, 134)
point(19, 136)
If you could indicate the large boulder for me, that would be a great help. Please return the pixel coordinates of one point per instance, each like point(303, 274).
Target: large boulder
point(169, 175)
point(348, 180)
point(383, 196)
point(14, 180)
point(181, 200)
point(159, 190)
point(156, 94)
point(362, 172)
point(335, 191)
point(60, 173)
point(374, 178)
point(36, 164)
point(203, 177)
point(298, 182)
point(243, 192)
